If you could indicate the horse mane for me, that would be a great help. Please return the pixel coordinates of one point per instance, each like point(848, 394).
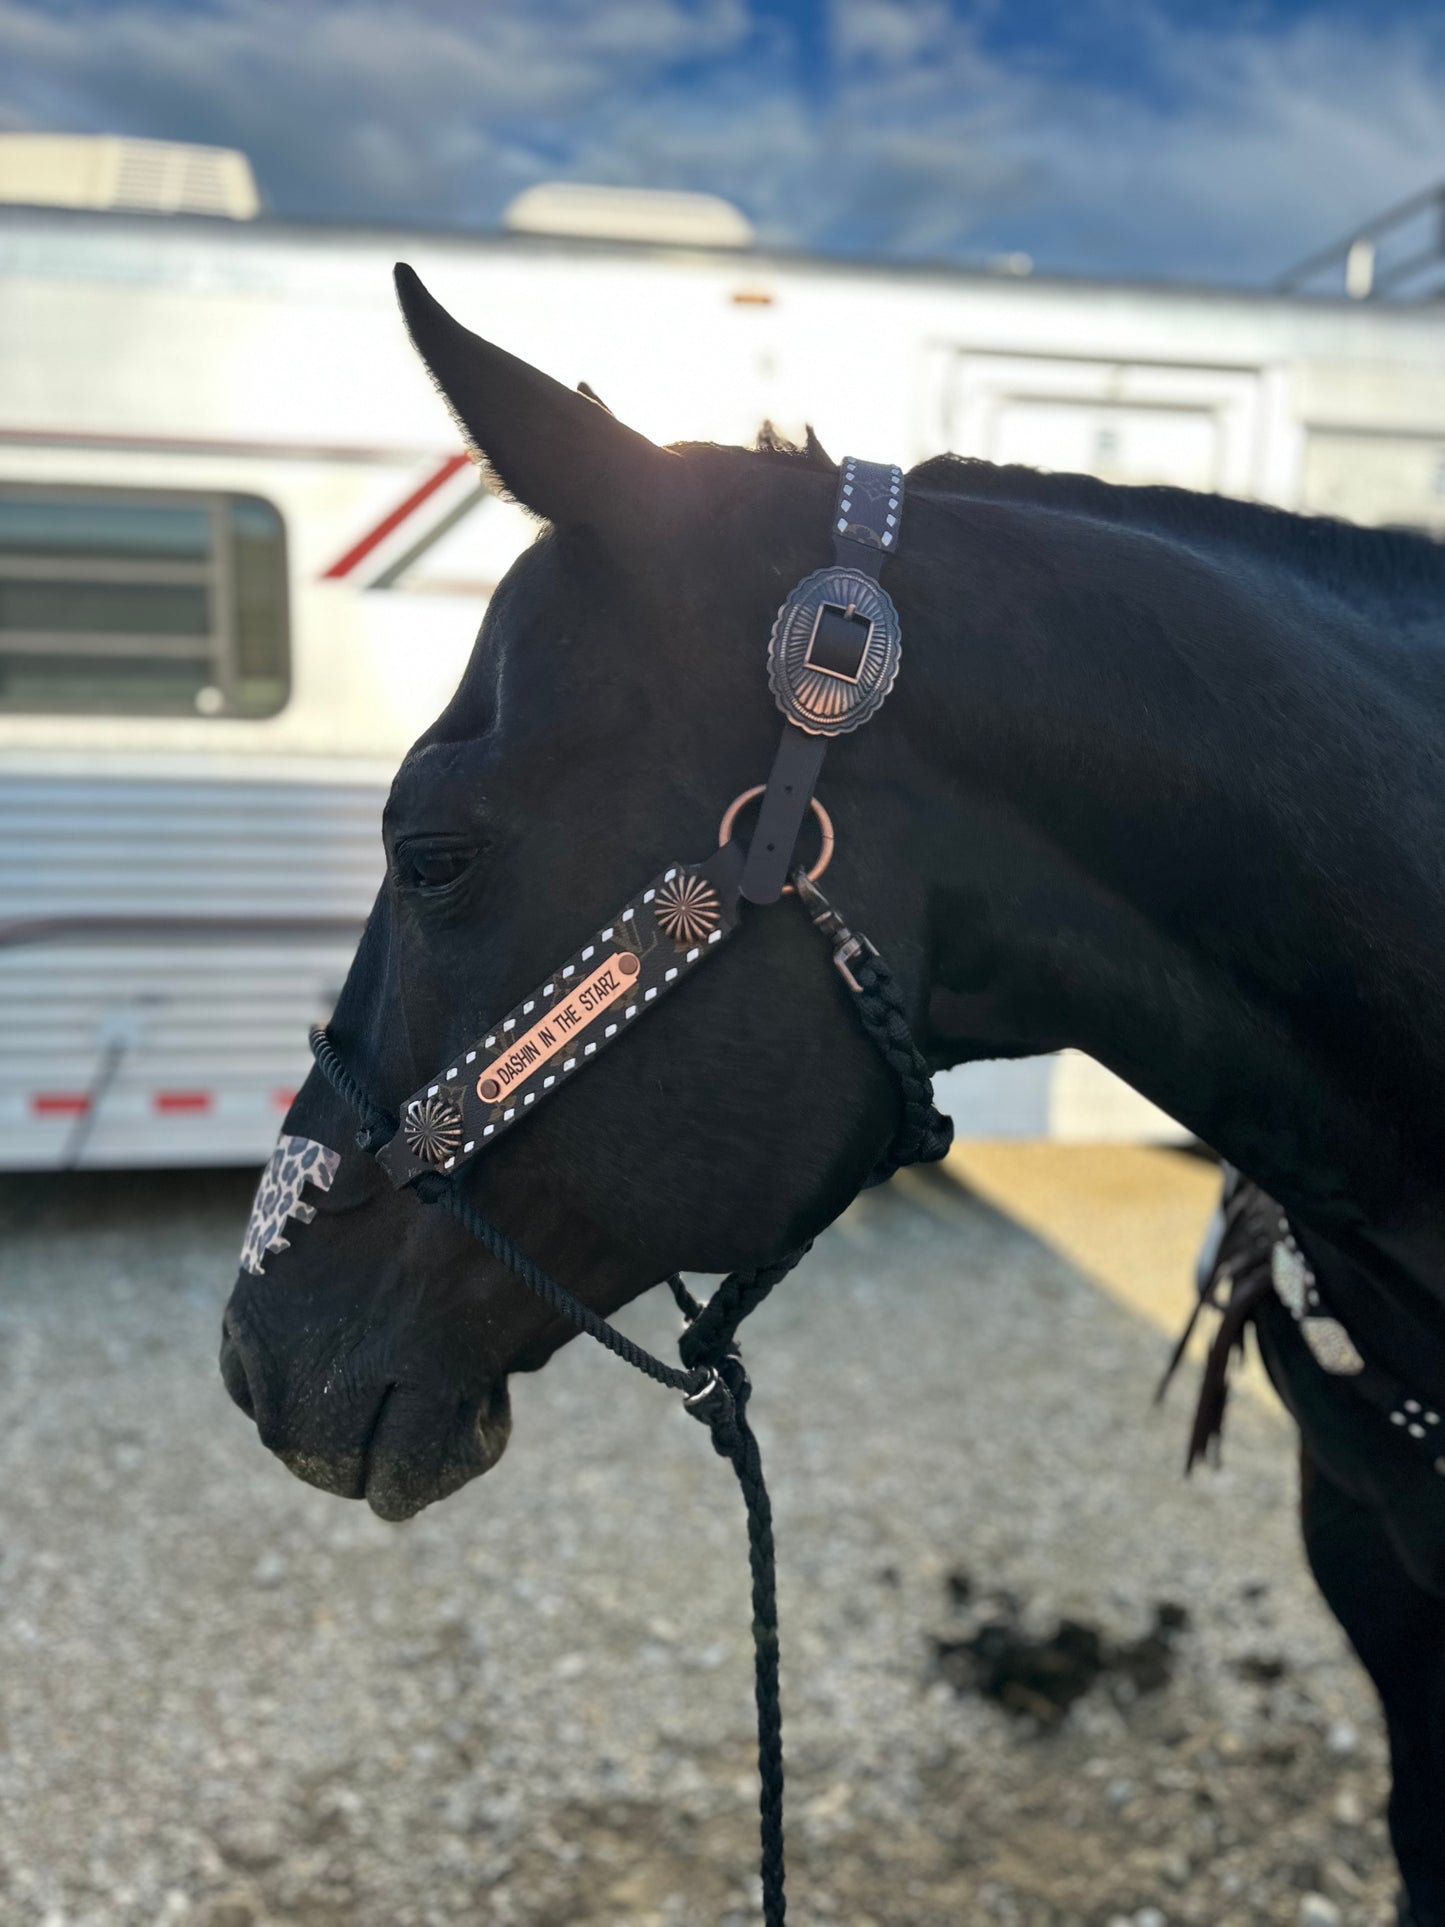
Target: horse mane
point(810, 452)
point(1342, 554)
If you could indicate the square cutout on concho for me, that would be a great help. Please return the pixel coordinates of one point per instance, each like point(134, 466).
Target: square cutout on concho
point(839, 642)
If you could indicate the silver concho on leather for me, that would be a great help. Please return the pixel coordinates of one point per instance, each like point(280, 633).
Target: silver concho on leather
point(834, 652)
point(837, 642)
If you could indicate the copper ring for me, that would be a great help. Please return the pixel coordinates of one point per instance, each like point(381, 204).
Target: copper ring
point(825, 830)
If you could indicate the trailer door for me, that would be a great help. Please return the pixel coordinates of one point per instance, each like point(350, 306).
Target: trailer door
point(1124, 421)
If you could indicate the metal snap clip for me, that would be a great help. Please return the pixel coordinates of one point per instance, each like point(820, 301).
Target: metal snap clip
point(712, 1403)
point(847, 945)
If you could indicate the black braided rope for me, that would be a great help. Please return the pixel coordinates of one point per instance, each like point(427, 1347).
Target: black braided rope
point(713, 1380)
point(377, 1125)
point(712, 1327)
point(708, 1326)
point(924, 1133)
point(733, 1440)
point(443, 1191)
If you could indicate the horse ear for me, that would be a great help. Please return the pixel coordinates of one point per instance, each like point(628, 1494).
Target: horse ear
point(560, 453)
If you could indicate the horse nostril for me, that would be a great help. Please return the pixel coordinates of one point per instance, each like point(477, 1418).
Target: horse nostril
point(234, 1374)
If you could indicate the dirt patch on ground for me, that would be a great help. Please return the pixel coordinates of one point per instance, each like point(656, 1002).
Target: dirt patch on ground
point(1038, 1676)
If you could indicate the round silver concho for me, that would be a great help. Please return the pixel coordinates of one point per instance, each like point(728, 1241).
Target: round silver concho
point(834, 651)
point(432, 1129)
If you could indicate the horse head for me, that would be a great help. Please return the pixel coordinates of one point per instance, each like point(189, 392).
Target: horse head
point(615, 701)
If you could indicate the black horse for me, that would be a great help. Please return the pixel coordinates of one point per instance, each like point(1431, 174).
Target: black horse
point(1161, 779)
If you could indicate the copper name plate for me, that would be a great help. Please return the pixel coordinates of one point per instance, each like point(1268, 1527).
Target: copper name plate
point(653, 943)
point(556, 1030)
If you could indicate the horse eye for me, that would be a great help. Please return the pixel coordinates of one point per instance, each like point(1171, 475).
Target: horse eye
point(433, 869)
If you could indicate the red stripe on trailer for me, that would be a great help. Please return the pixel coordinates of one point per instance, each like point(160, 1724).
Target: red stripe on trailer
point(59, 1103)
point(184, 1101)
point(359, 551)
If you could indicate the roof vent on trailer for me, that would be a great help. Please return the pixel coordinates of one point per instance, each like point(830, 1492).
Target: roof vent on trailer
point(131, 176)
point(649, 214)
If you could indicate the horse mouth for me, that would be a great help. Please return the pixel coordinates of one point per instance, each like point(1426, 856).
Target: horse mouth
point(407, 1462)
point(410, 1462)
point(493, 1428)
point(405, 1447)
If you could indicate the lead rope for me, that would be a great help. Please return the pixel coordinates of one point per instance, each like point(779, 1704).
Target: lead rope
point(713, 1381)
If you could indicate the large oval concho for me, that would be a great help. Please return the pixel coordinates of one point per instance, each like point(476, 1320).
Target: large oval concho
point(834, 651)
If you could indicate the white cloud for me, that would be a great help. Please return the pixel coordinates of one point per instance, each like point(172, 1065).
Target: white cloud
point(1272, 144)
point(1245, 150)
point(353, 106)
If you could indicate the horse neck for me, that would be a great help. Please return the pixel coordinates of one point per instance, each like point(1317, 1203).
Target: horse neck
point(1193, 828)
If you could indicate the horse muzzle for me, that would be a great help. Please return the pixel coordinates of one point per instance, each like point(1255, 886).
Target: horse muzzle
point(399, 1439)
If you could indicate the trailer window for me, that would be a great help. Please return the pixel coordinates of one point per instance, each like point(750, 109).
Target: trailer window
point(136, 602)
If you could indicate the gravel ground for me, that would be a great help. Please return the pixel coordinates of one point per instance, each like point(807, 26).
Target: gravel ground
point(227, 1700)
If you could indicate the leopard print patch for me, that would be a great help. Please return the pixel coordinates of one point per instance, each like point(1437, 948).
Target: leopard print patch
point(295, 1163)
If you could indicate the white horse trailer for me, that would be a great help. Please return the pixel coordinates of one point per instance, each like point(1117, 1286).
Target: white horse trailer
point(242, 560)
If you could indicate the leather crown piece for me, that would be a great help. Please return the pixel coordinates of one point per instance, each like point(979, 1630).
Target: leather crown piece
point(837, 641)
point(832, 658)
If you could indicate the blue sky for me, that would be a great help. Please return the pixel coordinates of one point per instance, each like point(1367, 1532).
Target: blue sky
point(1211, 139)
